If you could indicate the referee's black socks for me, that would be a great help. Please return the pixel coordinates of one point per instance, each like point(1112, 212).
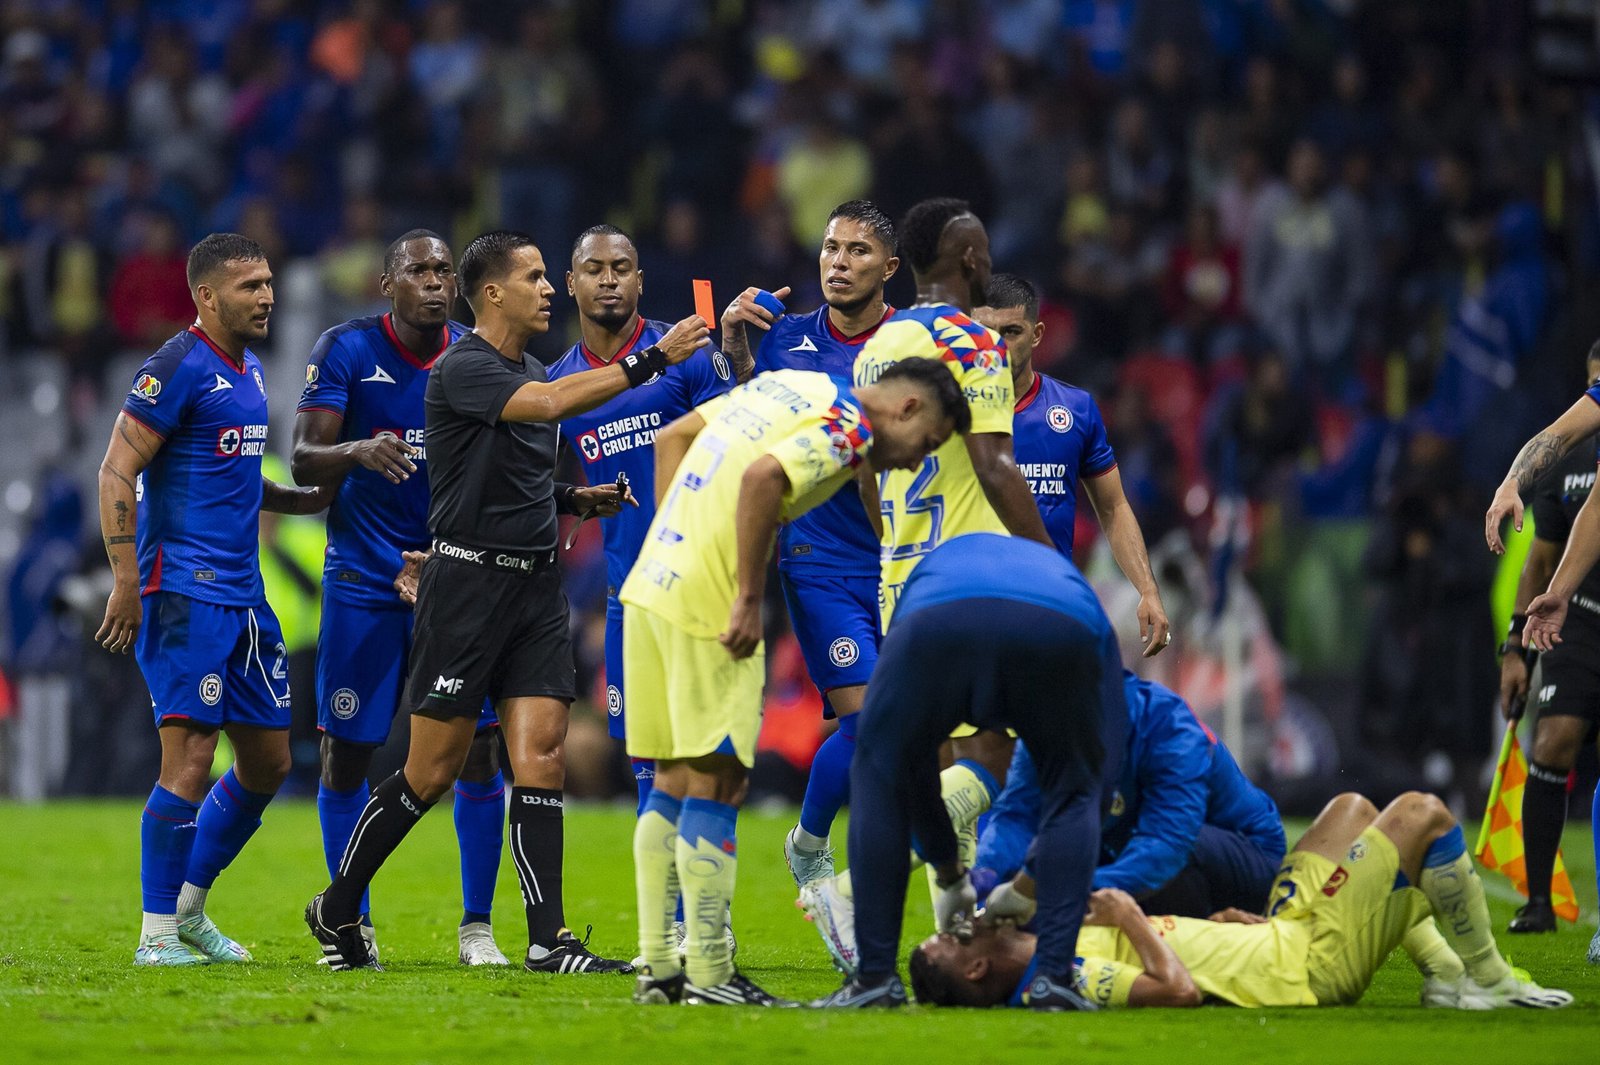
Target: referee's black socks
point(391, 812)
point(1544, 815)
point(537, 839)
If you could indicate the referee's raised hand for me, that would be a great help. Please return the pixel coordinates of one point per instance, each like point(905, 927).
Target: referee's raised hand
point(684, 339)
point(388, 455)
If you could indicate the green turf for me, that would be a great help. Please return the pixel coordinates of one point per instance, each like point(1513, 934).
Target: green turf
point(68, 990)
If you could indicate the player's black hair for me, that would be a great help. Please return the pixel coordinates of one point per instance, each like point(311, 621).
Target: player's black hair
point(870, 215)
point(391, 258)
point(1010, 290)
point(933, 986)
point(923, 226)
point(489, 257)
point(1594, 352)
point(219, 248)
point(936, 377)
point(602, 230)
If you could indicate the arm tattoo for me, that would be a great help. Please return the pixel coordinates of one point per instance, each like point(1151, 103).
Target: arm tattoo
point(736, 346)
point(137, 447)
point(119, 475)
point(1536, 457)
point(112, 541)
point(122, 514)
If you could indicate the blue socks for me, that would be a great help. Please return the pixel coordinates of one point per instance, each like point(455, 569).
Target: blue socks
point(1595, 824)
point(339, 811)
point(828, 788)
point(228, 817)
point(480, 818)
point(1446, 849)
point(166, 839)
point(644, 778)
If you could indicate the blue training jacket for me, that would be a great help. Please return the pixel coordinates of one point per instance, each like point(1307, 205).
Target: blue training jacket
point(1175, 777)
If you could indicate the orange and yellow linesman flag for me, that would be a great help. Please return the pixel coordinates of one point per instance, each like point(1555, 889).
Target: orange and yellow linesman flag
point(1500, 839)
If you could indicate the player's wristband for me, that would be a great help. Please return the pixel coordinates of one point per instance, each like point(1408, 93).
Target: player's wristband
point(641, 366)
point(1513, 641)
point(566, 498)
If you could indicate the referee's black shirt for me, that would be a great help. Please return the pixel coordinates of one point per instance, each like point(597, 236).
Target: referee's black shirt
point(492, 482)
point(1557, 498)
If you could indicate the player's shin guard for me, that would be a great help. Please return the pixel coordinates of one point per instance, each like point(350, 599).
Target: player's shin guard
point(655, 878)
point(1459, 905)
point(1544, 815)
point(537, 842)
point(707, 854)
point(480, 830)
point(228, 817)
point(828, 787)
point(392, 812)
point(166, 839)
point(339, 811)
point(968, 790)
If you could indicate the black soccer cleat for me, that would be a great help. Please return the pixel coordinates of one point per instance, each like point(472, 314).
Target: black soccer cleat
point(343, 947)
point(572, 955)
point(737, 990)
point(650, 990)
point(883, 993)
point(1536, 916)
point(1050, 996)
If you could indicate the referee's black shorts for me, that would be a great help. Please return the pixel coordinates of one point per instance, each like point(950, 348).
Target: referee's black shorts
point(482, 631)
point(1569, 673)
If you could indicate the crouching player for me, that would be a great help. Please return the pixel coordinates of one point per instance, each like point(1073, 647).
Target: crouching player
point(1357, 885)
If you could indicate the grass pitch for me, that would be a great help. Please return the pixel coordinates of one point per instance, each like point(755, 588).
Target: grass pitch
point(69, 991)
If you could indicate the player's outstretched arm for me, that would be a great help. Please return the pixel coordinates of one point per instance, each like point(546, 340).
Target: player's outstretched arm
point(1548, 612)
point(1165, 981)
point(551, 401)
point(755, 520)
point(735, 340)
point(672, 443)
point(1005, 487)
point(130, 451)
point(286, 499)
point(1537, 456)
point(1126, 538)
point(320, 459)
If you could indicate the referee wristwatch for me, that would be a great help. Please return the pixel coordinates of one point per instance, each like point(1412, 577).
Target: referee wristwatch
point(1513, 644)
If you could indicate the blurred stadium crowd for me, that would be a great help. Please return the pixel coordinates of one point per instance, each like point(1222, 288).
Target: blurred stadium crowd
point(1320, 260)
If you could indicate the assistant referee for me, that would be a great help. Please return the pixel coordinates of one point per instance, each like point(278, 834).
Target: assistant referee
point(491, 618)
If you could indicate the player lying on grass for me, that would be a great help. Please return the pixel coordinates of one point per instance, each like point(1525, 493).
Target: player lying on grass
point(1358, 884)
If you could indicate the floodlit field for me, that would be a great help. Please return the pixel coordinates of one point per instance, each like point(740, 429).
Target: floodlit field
point(69, 991)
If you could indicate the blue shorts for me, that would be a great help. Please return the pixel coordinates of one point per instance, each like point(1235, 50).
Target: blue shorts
point(213, 665)
point(362, 656)
point(835, 621)
point(615, 717)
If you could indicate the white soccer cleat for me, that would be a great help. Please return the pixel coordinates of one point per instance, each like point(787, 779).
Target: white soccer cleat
point(478, 946)
point(680, 932)
point(835, 918)
point(199, 934)
point(1441, 994)
point(1593, 957)
point(806, 866)
point(164, 950)
point(1510, 993)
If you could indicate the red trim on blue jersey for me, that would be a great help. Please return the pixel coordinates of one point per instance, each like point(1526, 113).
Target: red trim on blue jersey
point(238, 367)
point(176, 717)
point(1102, 473)
point(859, 338)
point(146, 424)
point(1026, 399)
point(597, 362)
point(155, 573)
point(325, 410)
point(405, 352)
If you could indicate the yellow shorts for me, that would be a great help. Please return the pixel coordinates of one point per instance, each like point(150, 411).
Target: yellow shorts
point(687, 696)
point(1357, 916)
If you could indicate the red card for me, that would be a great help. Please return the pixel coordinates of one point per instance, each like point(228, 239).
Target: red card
point(704, 305)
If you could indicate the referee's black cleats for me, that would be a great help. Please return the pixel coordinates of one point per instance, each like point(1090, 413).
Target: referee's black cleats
point(884, 993)
point(1051, 996)
point(572, 955)
point(343, 947)
point(737, 990)
point(1536, 916)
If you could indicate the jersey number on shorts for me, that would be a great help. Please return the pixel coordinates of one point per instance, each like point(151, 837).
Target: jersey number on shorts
point(916, 503)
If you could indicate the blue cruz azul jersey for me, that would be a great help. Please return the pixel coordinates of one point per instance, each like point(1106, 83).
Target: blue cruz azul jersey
point(619, 436)
point(834, 537)
point(361, 372)
point(200, 497)
point(1059, 437)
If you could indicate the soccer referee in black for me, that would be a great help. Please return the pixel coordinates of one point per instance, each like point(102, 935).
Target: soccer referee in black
point(491, 618)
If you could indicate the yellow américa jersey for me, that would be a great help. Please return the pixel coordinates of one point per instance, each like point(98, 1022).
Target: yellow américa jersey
point(941, 499)
point(809, 422)
point(1242, 964)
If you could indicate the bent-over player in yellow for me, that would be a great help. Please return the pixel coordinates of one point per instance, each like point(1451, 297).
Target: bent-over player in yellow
point(1357, 885)
point(726, 475)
